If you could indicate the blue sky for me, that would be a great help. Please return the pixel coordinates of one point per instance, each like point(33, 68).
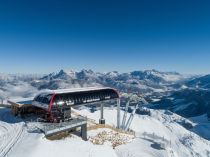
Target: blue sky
point(46, 35)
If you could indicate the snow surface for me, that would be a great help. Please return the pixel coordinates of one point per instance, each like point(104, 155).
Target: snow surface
point(158, 127)
point(37, 146)
point(161, 128)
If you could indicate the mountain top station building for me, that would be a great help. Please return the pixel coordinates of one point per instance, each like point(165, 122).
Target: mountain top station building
point(55, 107)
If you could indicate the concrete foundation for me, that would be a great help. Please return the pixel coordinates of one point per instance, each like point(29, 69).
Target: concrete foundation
point(102, 121)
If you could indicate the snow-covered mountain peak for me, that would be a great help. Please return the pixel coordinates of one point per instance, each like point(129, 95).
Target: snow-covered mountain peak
point(62, 74)
point(157, 76)
point(112, 74)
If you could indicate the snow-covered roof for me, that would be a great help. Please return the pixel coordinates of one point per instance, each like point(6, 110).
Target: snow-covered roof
point(76, 96)
point(76, 90)
point(21, 100)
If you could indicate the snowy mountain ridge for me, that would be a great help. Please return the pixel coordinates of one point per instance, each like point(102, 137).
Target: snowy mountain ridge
point(137, 81)
point(147, 81)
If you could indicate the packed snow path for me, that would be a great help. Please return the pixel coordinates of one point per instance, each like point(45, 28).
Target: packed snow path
point(11, 131)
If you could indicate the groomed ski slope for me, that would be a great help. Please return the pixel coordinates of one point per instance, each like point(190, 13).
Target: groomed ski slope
point(150, 131)
point(11, 131)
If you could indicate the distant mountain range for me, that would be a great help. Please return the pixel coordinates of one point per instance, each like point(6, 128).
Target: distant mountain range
point(136, 81)
point(187, 95)
point(139, 82)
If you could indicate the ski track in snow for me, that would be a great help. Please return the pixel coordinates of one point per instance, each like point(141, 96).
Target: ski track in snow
point(11, 132)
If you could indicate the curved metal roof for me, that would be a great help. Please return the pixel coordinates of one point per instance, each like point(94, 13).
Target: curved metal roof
point(76, 96)
point(75, 90)
point(87, 95)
